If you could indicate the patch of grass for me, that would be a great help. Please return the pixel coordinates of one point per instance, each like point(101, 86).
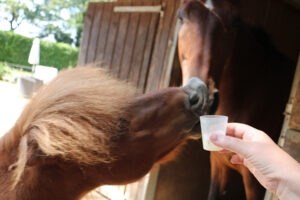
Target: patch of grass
point(11, 74)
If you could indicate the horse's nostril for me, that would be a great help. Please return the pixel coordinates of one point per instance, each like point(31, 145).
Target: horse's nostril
point(193, 99)
point(196, 100)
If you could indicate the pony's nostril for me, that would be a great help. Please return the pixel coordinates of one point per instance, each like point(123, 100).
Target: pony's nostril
point(193, 99)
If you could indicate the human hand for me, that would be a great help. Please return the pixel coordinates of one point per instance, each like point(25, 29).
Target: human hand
point(273, 167)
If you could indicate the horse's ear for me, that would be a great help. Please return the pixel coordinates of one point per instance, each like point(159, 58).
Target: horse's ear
point(228, 6)
point(228, 10)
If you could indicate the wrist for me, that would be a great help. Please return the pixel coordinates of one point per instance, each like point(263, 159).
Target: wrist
point(288, 187)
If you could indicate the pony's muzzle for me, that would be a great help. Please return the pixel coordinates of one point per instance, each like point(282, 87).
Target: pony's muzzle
point(197, 98)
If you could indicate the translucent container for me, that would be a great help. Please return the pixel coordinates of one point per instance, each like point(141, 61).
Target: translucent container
point(212, 124)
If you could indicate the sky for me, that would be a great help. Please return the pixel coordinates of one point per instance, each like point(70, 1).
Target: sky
point(29, 30)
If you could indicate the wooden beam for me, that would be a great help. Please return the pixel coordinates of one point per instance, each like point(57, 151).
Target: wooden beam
point(295, 100)
point(149, 193)
point(140, 9)
point(151, 9)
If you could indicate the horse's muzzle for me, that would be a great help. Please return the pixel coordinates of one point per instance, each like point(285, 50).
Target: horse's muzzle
point(197, 99)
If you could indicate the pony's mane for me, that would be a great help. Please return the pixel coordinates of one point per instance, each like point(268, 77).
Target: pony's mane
point(72, 118)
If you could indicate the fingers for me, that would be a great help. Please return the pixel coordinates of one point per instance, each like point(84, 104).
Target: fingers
point(235, 159)
point(230, 143)
point(246, 132)
point(238, 130)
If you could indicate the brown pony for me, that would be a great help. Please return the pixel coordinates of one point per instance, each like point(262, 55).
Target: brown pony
point(86, 129)
point(252, 78)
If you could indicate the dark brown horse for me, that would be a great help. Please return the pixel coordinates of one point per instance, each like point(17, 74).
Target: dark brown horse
point(252, 78)
point(86, 129)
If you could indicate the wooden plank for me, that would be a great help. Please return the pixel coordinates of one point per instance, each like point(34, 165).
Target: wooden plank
point(139, 50)
point(139, 9)
point(120, 43)
point(132, 190)
point(152, 31)
point(170, 53)
point(103, 33)
point(94, 32)
point(111, 40)
point(295, 97)
point(129, 45)
point(152, 183)
point(170, 49)
point(295, 117)
point(88, 21)
point(161, 45)
point(292, 144)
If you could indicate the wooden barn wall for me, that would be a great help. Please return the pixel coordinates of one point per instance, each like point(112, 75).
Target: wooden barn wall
point(295, 118)
point(294, 121)
point(133, 46)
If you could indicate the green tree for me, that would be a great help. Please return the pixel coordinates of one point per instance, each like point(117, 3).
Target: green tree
point(16, 12)
point(63, 37)
point(61, 18)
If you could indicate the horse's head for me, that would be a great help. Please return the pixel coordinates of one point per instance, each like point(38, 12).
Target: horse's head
point(89, 129)
point(168, 116)
point(205, 37)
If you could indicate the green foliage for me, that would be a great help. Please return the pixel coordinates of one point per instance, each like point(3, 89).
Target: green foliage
point(58, 55)
point(63, 37)
point(11, 74)
point(16, 12)
point(3, 70)
point(15, 49)
point(59, 18)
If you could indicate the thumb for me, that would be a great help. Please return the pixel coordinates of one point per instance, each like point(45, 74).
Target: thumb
point(230, 143)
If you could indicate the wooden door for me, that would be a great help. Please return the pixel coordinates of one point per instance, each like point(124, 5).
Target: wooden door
point(121, 42)
point(135, 41)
